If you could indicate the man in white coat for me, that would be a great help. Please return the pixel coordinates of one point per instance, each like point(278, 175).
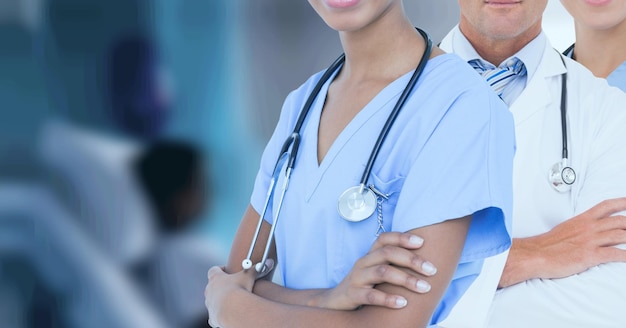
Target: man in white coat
point(565, 267)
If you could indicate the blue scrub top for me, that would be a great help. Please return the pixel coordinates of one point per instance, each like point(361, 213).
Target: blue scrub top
point(617, 78)
point(449, 154)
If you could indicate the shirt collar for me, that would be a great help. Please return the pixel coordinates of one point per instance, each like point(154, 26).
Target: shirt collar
point(530, 55)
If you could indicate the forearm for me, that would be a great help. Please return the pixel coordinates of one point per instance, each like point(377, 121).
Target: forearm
point(273, 292)
point(246, 310)
point(524, 262)
point(571, 247)
point(249, 310)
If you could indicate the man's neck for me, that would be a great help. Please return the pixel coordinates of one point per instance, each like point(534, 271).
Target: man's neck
point(601, 51)
point(497, 50)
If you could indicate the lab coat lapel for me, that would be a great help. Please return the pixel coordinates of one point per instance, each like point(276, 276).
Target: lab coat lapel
point(539, 92)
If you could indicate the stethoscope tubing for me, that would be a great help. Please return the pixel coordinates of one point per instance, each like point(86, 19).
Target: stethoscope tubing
point(247, 263)
point(561, 176)
point(564, 111)
point(399, 104)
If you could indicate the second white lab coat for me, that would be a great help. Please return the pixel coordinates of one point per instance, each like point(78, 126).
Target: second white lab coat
point(596, 117)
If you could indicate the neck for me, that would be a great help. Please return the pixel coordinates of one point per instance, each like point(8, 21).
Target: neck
point(379, 50)
point(601, 51)
point(496, 50)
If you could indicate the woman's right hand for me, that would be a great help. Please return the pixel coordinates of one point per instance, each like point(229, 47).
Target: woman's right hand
point(387, 262)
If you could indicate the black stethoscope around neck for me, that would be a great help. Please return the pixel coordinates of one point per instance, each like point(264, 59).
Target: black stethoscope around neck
point(561, 175)
point(356, 203)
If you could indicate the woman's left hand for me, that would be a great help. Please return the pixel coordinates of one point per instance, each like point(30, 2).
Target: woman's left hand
point(222, 285)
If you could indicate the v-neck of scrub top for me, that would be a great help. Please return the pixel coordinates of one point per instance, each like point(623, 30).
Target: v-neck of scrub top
point(380, 101)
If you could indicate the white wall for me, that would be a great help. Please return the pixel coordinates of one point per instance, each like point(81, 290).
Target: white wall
point(558, 25)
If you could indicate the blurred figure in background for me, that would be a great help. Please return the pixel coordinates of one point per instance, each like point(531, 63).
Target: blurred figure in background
point(77, 228)
point(116, 213)
point(600, 38)
point(149, 192)
point(53, 274)
point(138, 205)
point(173, 176)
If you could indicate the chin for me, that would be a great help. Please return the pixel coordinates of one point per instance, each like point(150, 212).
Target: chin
point(344, 23)
point(603, 21)
point(502, 32)
point(506, 28)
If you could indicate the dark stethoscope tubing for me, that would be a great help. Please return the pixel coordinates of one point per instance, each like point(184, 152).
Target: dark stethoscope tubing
point(564, 111)
point(293, 141)
point(564, 175)
point(295, 135)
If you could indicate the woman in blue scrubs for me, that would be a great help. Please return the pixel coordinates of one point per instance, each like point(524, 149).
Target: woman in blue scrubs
point(600, 38)
point(445, 171)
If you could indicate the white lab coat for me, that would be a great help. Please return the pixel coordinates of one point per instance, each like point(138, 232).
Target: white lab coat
point(596, 116)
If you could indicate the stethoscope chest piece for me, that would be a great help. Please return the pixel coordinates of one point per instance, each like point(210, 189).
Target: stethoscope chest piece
point(568, 175)
point(562, 177)
point(357, 204)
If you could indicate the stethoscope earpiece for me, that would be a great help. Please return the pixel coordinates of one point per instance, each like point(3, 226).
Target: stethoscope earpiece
point(246, 264)
point(260, 267)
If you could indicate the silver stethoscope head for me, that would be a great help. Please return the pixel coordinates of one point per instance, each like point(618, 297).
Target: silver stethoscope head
point(562, 176)
point(357, 203)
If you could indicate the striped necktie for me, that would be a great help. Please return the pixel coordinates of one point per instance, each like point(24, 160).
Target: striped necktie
point(499, 77)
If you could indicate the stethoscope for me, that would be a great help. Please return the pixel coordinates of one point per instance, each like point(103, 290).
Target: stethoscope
point(561, 175)
point(355, 203)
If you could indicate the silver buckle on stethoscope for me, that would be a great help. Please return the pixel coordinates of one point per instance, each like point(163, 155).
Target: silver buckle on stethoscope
point(380, 197)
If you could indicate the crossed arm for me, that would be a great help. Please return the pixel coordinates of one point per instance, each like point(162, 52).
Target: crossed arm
point(571, 247)
point(574, 246)
point(231, 303)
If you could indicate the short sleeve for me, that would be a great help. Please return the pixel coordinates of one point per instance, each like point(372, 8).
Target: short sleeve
point(270, 155)
point(465, 168)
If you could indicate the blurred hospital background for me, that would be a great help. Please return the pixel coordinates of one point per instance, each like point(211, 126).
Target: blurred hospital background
point(130, 135)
